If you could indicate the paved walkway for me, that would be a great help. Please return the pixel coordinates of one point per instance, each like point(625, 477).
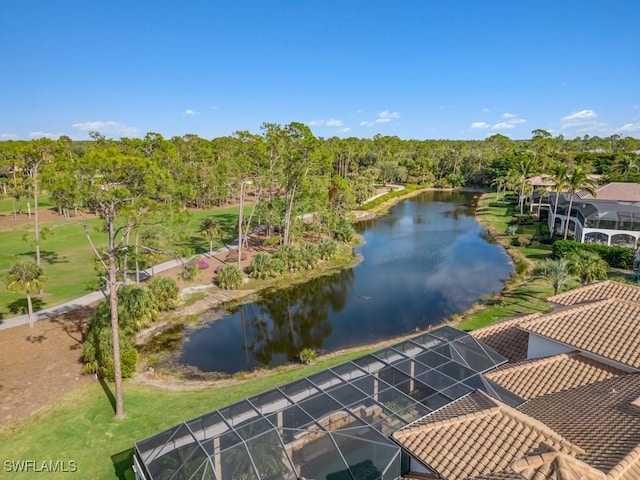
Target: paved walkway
point(94, 297)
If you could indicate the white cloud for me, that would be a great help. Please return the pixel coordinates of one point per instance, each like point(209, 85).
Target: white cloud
point(41, 134)
point(8, 136)
point(383, 120)
point(334, 123)
point(581, 115)
point(359, 110)
point(189, 113)
point(480, 125)
point(366, 124)
point(508, 115)
point(485, 110)
point(386, 114)
point(316, 123)
point(630, 127)
point(106, 127)
point(345, 130)
point(516, 121)
point(503, 126)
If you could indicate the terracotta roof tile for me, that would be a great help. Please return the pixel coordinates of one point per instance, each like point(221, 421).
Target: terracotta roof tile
point(506, 338)
point(549, 464)
point(601, 419)
point(618, 191)
point(533, 378)
point(598, 291)
point(480, 442)
point(607, 328)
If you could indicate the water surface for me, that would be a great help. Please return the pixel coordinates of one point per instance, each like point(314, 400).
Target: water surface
point(424, 261)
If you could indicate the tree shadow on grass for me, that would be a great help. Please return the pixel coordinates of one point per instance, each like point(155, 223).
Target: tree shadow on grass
point(19, 307)
point(108, 393)
point(47, 256)
point(122, 463)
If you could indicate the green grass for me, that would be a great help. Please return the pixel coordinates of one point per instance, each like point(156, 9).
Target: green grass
point(66, 260)
point(67, 256)
point(80, 426)
point(7, 204)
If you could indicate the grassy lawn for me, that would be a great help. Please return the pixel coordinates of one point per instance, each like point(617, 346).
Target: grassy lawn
point(67, 257)
point(80, 427)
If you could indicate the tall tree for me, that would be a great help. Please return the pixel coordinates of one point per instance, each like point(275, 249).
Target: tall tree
point(114, 186)
point(559, 178)
point(25, 277)
point(577, 180)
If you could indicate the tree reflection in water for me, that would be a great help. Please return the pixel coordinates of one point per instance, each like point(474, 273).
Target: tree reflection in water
point(295, 318)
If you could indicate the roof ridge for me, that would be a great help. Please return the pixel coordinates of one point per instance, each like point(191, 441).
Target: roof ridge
point(629, 461)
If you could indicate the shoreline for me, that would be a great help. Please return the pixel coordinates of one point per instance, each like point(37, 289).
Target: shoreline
point(179, 379)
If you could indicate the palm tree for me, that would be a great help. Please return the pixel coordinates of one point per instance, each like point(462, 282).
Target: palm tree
point(210, 230)
point(559, 178)
point(557, 272)
point(577, 180)
point(526, 168)
point(588, 266)
point(25, 277)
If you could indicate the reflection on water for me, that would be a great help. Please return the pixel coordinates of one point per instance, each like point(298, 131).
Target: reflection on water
point(424, 261)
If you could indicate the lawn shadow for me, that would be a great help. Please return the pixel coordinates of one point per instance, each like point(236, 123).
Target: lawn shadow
point(122, 464)
point(108, 393)
point(20, 307)
point(47, 256)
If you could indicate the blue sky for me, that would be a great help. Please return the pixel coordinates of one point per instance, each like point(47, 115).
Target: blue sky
point(416, 69)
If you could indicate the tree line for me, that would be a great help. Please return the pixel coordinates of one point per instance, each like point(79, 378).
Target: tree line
point(140, 187)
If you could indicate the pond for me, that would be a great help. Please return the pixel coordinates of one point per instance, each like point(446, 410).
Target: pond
point(424, 261)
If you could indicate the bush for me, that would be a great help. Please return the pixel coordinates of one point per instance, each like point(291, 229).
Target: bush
point(202, 264)
point(136, 309)
point(616, 257)
point(342, 230)
point(164, 293)
point(128, 360)
point(307, 355)
point(97, 350)
point(523, 240)
point(229, 277)
point(328, 249)
point(310, 256)
point(261, 267)
point(290, 257)
point(190, 270)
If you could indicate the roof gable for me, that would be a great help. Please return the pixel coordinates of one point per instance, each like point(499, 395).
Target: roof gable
point(606, 328)
point(598, 291)
point(478, 443)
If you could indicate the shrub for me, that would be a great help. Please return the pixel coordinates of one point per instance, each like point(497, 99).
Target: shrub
point(202, 264)
point(342, 230)
point(97, 350)
point(523, 240)
point(261, 267)
point(164, 293)
point(290, 257)
point(310, 256)
point(136, 308)
point(512, 229)
point(616, 257)
point(190, 270)
point(307, 355)
point(328, 249)
point(229, 277)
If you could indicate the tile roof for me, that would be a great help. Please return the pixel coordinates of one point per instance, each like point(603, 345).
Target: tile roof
point(607, 328)
point(601, 419)
point(553, 465)
point(533, 378)
point(619, 191)
point(478, 443)
point(598, 291)
point(506, 338)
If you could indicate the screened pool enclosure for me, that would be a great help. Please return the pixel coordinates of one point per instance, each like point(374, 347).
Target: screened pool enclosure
point(333, 425)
